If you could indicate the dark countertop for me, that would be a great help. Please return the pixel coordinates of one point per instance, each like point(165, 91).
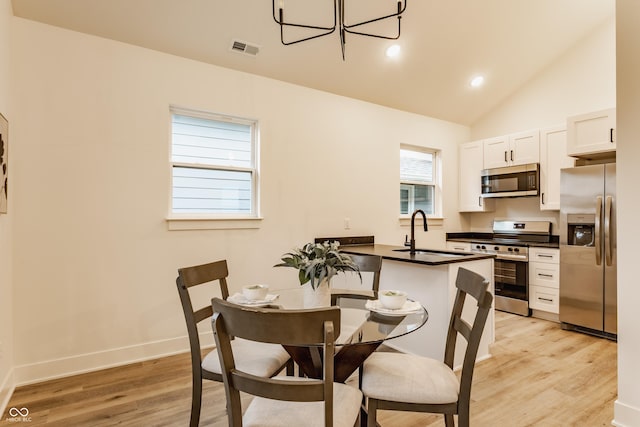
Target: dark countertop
point(430, 257)
point(488, 239)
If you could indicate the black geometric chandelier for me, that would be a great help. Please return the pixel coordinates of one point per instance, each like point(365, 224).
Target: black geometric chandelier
point(338, 22)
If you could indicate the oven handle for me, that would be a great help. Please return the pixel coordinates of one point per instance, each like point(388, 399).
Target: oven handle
point(523, 258)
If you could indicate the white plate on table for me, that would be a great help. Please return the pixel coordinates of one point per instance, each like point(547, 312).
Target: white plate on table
point(240, 299)
point(408, 308)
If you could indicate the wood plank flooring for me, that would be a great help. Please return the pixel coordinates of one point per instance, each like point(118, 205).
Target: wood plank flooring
point(539, 375)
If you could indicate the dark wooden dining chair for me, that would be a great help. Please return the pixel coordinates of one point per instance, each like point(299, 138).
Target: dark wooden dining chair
point(366, 264)
point(259, 359)
point(405, 382)
point(283, 401)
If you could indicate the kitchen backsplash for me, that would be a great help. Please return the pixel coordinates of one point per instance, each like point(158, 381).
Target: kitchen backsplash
point(517, 208)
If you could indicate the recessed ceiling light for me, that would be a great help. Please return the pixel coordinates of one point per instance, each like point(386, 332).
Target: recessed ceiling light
point(393, 51)
point(477, 81)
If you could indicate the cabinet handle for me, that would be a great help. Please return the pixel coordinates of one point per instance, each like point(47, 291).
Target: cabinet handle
point(611, 135)
point(545, 275)
point(545, 299)
point(505, 157)
point(542, 198)
point(512, 155)
point(544, 256)
point(480, 201)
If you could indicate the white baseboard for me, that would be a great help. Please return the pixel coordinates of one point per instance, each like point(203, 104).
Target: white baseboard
point(89, 362)
point(625, 415)
point(6, 391)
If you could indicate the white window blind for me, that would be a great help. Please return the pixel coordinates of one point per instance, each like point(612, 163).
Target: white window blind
point(213, 164)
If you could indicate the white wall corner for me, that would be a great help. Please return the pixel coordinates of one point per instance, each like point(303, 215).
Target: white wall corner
point(6, 391)
point(625, 415)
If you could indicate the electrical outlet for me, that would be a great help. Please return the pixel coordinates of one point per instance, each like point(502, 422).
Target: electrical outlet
point(347, 223)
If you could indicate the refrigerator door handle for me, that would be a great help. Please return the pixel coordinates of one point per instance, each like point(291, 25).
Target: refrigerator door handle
point(607, 230)
point(597, 231)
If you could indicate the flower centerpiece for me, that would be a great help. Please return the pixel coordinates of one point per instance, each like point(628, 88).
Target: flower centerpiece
point(317, 263)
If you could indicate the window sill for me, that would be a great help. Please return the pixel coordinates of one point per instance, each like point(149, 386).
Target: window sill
point(195, 222)
point(431, 221)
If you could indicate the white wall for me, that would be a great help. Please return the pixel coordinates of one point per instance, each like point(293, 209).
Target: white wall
point(627, 407)
point(581, 80)
point(6, 281)
point(94, 263)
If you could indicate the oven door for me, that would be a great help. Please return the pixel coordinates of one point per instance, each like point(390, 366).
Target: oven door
point(512, 286)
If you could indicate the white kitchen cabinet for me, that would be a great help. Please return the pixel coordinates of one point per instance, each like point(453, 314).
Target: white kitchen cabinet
point(458, 246)
point(553, 157)
point(592, 135)
point(544, 279)
point(470, 164)
point(512, 150)
point(496, 152)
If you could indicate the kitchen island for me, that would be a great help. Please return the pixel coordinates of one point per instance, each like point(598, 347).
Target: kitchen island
point(428, 276)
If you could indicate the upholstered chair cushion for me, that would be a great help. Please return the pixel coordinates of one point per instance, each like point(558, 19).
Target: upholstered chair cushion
point(253, 357)
point(408, 378)
point(276, 413)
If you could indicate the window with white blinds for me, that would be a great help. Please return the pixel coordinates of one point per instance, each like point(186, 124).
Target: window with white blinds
point(213, 164)
point(418, 180)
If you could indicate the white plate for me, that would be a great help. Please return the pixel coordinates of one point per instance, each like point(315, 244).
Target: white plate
point(408, 307)
point(240, 299)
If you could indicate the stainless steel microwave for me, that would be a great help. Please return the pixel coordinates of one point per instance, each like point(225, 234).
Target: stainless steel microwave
point(511, 181)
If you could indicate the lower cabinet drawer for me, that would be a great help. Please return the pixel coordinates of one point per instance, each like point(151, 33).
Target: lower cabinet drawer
point(545, 299)
point(544, 274)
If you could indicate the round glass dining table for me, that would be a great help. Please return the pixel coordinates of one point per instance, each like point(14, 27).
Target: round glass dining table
point(362, 330)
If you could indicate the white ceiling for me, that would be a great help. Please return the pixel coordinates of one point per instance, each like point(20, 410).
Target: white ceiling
point(444, 43)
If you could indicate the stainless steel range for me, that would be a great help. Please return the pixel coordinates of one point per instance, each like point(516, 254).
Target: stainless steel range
point(510, 243)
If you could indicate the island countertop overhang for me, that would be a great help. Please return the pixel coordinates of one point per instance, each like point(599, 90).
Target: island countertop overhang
point(427, 257)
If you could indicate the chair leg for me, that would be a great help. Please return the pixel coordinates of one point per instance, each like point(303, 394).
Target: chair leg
point(463, 419)
point(290, 368)
point(196, 400)
point(372, 408)
point(448, 420)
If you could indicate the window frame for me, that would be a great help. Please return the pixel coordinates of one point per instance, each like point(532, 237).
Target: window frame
point(210, 220)
point(436, 181)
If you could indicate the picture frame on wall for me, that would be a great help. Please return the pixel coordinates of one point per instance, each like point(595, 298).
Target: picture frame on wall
point(4, 163)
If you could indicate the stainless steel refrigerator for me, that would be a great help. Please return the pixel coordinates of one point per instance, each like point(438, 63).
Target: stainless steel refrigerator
point(588, 294)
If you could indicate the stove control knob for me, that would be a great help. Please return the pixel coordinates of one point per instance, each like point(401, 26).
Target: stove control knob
point(510, 249)
point(484, 247)
point(516, 250)
point(477, 246)
point(495, 248)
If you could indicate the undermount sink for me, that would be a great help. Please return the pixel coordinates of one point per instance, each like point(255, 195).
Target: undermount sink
point(434, 253)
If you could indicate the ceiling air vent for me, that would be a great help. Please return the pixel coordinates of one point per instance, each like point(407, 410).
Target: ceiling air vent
point(245, 48)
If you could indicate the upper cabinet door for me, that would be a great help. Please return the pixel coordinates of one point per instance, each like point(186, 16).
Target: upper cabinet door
point(512, 150)
point(496, 152)
point(592, 134)
point(553, 157)
point(524, 147)
point(469, 189)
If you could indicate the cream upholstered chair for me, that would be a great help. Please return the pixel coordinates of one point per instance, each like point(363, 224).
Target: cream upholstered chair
point(283, 401)
point(406, 382)
point(257, 358)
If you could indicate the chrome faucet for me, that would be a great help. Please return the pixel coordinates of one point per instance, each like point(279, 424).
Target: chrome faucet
point(412, 242)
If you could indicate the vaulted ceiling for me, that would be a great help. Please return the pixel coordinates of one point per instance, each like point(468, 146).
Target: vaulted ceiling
point(444, 43)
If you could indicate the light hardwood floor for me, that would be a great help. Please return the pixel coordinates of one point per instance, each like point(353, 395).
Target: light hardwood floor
point(539, 375)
